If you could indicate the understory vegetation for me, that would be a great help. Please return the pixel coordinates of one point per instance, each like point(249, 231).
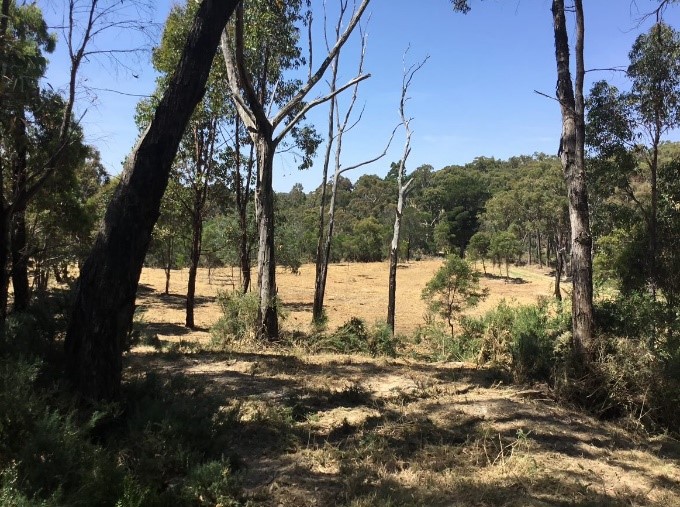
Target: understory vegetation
point(175, 439)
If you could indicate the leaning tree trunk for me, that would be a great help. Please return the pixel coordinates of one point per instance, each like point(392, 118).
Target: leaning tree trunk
point(267, 318)
point(572, 155)
point(105, 295)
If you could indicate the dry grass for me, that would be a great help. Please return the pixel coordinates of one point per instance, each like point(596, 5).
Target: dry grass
point(341, 430)
point(353, 290)
point(356, 431)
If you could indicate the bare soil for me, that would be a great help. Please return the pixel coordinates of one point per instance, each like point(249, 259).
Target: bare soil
point(331, 430)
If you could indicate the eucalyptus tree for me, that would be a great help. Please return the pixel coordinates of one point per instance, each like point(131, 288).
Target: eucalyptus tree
point(254, 59)
point(21, 29)
point(198, 163)
point(25, 40)
point(626, 130)
point(104, 299)
point(572, 156)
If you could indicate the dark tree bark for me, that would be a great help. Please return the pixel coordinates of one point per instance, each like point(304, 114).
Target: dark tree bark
point(20, 282)
point(572, 155)
point(195, 257)
point(242, 188)
point(267, 320)
point(4, 209)
point(204, 145)
point(105, 294)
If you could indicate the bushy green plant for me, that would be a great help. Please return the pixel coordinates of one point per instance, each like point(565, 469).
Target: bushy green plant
point(454, 287)
point(210, 484)
point(526, 338)
point(382, 342)
point(239, 317)
point(352, 336)
point(355, 337)
point(46, 448)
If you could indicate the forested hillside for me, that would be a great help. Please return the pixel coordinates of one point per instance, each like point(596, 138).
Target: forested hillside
point(501, 331)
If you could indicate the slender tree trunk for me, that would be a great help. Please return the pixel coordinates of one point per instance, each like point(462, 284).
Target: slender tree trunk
point(540, 253)
point(4, 257)
point(169, 254)
point(18, 233)
point(105, 295)
point(195, 257)
point(321, 259)
point(4, 209)
point(529, 249)
point(653, 219)
point(394, 258)
point(559, 267)
point(267, 318)
point(572, 156)
point(242, 198)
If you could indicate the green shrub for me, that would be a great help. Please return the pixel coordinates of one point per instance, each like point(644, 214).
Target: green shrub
point(351, 337)
point(355, 337)
point(239, 317)
point(526, 338)
point(461, 347)
point(210, 484)
point(381, 341)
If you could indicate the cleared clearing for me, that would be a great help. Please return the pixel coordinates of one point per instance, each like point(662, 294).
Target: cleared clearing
point(359, 431)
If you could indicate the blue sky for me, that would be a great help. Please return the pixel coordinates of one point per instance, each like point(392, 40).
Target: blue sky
point(474, 97)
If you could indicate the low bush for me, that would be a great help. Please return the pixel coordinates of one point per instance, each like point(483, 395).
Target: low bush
point(635, 372)
point(355, 337)
point(528, 339)
point(163, 445)
point(239, 317)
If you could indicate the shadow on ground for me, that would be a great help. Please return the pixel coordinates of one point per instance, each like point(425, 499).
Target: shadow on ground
point(341, 430)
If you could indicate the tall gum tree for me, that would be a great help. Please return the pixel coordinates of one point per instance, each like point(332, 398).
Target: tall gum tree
point(267, 132)
point(572, 156)
point(104, 298)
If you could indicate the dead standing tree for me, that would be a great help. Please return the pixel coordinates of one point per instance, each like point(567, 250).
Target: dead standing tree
point(267, 133)
point(403, 185)
point(336, 130)
point(105, 295)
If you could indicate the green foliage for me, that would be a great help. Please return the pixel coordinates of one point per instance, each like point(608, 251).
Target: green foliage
point(211, 484)
point(454, 287)
point(355, 337)
point(367, 243)
point(239, 317)
point(504, 248)
point(479, 247)
point(456, 198)
point(530, 340)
